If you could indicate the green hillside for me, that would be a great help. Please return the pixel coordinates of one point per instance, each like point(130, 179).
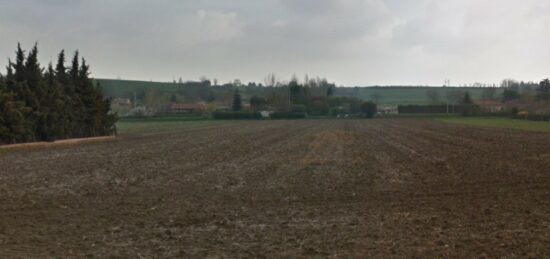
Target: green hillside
point(192, 91)
point(390, 95)
point(393, 95)
point(127, 88)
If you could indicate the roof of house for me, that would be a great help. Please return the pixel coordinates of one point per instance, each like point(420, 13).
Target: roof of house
point(187, 106)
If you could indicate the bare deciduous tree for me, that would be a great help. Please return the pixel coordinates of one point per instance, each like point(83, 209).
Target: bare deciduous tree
point(271, 80)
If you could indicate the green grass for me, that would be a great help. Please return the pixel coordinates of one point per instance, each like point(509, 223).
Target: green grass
point(501, 123)
point(419, 116)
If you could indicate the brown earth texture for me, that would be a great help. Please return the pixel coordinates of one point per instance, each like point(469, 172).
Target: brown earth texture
point(383, 188)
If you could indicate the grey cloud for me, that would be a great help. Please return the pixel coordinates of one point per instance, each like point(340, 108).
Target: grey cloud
point(353, 42)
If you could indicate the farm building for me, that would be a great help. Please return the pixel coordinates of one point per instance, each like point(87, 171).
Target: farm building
point(266, 114)
point(387, 109)
point(490, 105)
point(121, 101)
point(188, 107)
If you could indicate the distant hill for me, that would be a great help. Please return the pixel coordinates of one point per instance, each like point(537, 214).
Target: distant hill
point(393, 95)
point(192, 91)
point(195, 91)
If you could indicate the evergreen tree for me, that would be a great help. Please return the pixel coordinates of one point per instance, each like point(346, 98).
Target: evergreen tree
point(33, 72)
point(67, 115)
point(543, 90)
point(369, 109)
point(74, 69)
point(84, 88)
point(19, 65)
point(52, 104)
point(295, 91)
point(330, 91)
point(107, 119)
point(60, 69)
point(77, 111)
point(9, 79)
point(9, 74)
point(94, 106)
point(237, 102)
point(14, 127)
point(35, 94)
point(18, 84)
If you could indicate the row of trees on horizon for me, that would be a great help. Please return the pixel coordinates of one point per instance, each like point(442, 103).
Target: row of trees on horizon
point(272, 80)
point(46, 104)
point(205, 91)
point(324, 98)
point(512, 90)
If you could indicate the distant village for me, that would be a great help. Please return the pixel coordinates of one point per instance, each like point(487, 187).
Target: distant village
point(511, 97)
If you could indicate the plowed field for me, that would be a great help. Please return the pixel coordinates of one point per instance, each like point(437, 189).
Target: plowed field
point(309, 188)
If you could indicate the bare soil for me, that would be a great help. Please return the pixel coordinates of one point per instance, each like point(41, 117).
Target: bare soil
point(380, 188)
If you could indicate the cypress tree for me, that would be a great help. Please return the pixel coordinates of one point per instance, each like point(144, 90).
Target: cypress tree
point(18, 84)
point(14, 127)
point(19, 65)
point(95, 107)
point(33, 72)
point(104, 120)
point(237, 102)
point(74, 69)
point(67, 95)
point(87, 95)
point(52, 104)
point(9, 74)
point(36, 93)
point(60, 69)
point(76, 106)
point(543, 90)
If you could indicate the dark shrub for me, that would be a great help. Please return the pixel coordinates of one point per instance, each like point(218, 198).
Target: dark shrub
point(532, 117)
point(236, 115)
point(297, 108)
point(369, 109)
point(288, 115)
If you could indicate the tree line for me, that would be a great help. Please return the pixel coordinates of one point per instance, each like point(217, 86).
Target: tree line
point(314, 97)
point(510, 90)
point(46, 104)
point(514, 90)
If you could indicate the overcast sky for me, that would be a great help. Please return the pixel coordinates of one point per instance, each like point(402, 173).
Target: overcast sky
point(351, 42)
